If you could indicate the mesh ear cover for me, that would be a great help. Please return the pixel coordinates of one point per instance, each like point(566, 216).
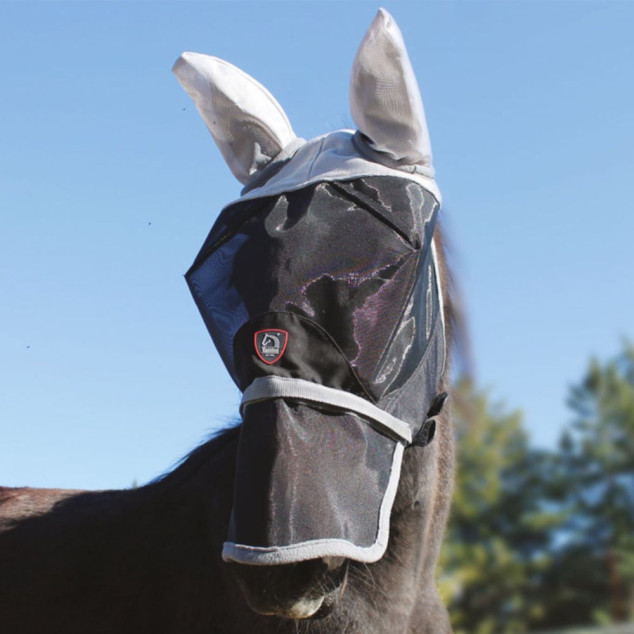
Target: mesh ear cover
point(385, 101)
point(247, 123)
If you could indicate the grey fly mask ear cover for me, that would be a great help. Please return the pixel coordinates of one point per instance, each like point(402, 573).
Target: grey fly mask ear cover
point(320, 289)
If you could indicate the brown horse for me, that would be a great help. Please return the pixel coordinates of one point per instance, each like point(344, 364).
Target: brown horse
point(152, 559)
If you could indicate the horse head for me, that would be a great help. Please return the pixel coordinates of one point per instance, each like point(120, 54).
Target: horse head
point(321, 291)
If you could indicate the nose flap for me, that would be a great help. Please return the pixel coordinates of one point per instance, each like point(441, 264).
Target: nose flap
point(310, 483)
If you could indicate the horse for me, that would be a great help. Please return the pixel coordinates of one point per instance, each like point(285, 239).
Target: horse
point(326, 291)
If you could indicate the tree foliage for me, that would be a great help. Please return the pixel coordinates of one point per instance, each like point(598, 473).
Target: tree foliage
point(544, 539)
point(499, 533)
point(594, 571)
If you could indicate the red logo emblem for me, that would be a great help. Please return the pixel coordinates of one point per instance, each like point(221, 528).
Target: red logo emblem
point(270, 344)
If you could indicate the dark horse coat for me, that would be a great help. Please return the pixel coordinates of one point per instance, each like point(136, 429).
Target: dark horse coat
point(148, 559)
point(152, 559)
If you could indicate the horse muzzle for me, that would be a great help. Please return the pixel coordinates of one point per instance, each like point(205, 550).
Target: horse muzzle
point(304, 590)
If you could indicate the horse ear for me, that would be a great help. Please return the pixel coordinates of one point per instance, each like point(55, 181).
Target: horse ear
point(247, 123)
point(385, 100)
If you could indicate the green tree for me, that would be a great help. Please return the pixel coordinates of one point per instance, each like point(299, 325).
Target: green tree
point(593, 575)
point(499, 535)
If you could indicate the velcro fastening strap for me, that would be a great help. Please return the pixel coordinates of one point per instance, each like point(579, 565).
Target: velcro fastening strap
point(269, 387)
point(426, 433)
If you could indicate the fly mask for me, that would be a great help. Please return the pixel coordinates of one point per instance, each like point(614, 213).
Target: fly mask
point(320, 289)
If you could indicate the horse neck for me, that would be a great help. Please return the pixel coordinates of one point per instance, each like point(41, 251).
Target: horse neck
point(404, 590)
point(425, 488)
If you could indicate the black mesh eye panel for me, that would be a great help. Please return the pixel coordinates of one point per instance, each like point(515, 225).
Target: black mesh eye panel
point(388, 198)
point(314, 252)
point(345, 255)
point(412, 335)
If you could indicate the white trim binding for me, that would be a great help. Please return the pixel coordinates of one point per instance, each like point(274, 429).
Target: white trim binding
point(268, 387)
point(332, 157)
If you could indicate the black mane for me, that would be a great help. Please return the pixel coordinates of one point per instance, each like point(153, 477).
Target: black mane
point(215, 448)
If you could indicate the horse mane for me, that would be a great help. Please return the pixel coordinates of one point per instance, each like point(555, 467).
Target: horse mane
point(458, 339)
point(219, 448)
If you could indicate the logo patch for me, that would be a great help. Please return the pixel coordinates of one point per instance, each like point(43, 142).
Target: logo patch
point(270, 344)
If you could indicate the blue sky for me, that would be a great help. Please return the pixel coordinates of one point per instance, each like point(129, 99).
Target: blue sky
point(109, 183)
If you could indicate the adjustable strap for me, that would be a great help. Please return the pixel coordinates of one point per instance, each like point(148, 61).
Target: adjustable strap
point(426, 433)
point(269, 387)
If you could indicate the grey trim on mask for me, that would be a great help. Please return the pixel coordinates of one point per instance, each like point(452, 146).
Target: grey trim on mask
point(330, 157)
point(278, 162)
point(283, 387)
point(362, 143)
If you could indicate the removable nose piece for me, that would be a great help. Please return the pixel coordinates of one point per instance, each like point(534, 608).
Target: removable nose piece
point(310, 484)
